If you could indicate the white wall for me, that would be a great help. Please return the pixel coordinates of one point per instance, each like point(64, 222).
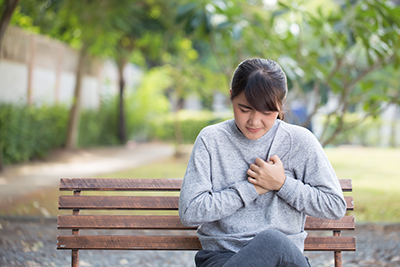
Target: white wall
point(53, 65)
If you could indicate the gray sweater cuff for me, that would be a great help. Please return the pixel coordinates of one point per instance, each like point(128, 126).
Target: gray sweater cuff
point(246, 191)
point(287, 191)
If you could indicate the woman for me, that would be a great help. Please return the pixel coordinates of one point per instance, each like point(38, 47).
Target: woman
point(252, 180)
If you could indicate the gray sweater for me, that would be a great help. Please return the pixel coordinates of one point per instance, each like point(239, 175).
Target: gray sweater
point(217, 197)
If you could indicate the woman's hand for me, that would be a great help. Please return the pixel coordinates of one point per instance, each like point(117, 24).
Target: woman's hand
point(266, 176)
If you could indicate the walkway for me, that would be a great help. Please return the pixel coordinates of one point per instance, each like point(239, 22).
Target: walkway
point(21, 179)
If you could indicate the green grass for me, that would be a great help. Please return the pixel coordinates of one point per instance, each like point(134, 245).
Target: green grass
point(168, 168)
point(376, 180)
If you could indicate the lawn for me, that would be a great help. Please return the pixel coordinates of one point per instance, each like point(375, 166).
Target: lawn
point(376, 180)
point(375, 173)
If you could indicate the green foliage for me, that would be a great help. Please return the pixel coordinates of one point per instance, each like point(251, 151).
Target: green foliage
point(191, 123)
point(365, 134)
point(31, 132)
point(99, 127)
point(147, 102)
point(28, 132)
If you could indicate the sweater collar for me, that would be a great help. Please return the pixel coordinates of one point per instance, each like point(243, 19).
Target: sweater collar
point(240, 136)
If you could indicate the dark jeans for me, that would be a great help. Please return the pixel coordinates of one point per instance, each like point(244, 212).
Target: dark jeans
point(269, 248)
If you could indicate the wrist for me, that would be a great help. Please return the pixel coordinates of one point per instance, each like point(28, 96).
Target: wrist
point(282, 183)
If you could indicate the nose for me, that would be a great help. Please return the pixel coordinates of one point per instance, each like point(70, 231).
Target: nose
point(254, 118)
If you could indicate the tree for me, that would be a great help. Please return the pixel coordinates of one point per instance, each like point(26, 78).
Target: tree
point(7, 8)
point(333, 53)
point(90, 26)
point(326, 51)
point(143, 18)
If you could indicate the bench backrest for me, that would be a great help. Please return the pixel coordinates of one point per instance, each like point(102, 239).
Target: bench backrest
point(180, 237)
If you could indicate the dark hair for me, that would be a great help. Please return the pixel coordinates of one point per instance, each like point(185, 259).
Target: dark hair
point(263, 82)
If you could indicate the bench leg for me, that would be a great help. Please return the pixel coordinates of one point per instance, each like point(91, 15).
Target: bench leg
point(338, 254)
point(75, 258)
point(75, 252)
point(338, 259)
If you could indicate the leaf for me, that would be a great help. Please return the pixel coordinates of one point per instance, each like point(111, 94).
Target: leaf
point(283, 5)
point(224, 25)
point(237, 31)
point(186, 12)
point(280, 12)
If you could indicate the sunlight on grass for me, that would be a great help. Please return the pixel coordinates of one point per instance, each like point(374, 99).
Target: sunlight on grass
point(376, 180)
point(168, 168)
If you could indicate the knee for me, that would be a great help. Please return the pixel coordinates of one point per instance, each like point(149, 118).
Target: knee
point(273, 237)
point(271, 234)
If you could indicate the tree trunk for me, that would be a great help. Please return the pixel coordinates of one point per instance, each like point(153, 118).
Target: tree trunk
point(5, 18)
point(1, 159)
point(177, 127)
point(121, 109)
point(393, 135)
point(74, 116)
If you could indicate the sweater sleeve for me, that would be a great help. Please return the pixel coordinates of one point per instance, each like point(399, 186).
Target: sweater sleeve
point(312, 186)
point(198, 202)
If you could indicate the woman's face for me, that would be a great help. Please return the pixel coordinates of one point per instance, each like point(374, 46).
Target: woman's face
point(252, 123)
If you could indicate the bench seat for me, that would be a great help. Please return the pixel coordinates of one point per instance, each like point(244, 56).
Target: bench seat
point(162, 232)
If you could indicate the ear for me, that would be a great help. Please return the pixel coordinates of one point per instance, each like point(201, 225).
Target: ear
point(230, 92)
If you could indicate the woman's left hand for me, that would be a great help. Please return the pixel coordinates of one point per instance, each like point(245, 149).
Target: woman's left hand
point(268, 175)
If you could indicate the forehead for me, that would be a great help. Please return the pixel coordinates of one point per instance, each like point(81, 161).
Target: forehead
point(241, 101)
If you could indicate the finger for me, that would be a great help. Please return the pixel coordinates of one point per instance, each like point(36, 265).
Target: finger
point(250, 173)
point(275, 159)
point(259, 162)
point(252, 180)
point(254, 167)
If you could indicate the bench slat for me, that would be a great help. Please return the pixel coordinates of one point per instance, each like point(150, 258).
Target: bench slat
point(349, 202)
point(330, 243)
point(109, 184)
point(131, 202)
point(172, 222)
point(182, 243)
point(346, 223)
point(93, 184)
point(118, 202)
point(346, 185)
point(120, 222)
point(129, 242)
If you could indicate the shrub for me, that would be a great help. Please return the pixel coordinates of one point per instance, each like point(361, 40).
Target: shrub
point(99, 127)
point(27, 132)
point(190, 123)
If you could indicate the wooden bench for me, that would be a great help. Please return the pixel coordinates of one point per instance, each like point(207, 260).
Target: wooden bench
point(159, 204)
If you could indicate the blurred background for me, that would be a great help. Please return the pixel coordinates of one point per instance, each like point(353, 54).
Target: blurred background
point(90, 75)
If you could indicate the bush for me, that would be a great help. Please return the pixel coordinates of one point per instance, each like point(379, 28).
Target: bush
point(27, 132)
point(31, 132)
point(190, 123)
point(99, 127)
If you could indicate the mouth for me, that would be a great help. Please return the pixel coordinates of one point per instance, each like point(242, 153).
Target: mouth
point(253, 130)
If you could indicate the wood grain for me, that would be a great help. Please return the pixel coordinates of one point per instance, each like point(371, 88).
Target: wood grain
point(172, 222)
point(182, 243)
point(132, 202)
point(115, 184)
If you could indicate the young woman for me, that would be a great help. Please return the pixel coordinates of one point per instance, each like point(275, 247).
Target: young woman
point(252, 180)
